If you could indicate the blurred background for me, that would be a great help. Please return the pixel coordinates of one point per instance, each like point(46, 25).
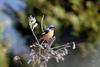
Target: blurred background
point(75, 20)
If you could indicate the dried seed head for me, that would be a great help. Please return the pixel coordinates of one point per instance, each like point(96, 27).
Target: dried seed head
point(16, 58)
point(74, 46)
point(66, 51)
point(32, 20)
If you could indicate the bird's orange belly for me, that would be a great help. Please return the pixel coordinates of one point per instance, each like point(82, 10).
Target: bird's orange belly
point(48, 35)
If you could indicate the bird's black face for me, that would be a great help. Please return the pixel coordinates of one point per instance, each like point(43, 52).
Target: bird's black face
point(51, 27)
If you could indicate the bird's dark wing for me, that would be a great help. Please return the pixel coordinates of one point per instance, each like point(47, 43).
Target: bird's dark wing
point(45, 32)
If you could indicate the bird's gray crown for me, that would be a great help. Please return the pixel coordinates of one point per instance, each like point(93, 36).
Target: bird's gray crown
point(51, 27)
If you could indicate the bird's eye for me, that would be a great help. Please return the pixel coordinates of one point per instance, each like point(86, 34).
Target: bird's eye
point(51, 27)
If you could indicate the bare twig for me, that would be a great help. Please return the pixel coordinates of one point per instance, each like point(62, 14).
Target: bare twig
point(65, 45)
point(33, 24)
point(51, 42)
point(42, 25)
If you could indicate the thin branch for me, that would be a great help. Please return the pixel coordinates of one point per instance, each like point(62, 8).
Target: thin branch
point(42, 25)
point(65, 45)
point(52, 41)
point(35, 37)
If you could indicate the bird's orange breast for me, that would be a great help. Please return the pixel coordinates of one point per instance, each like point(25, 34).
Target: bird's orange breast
point(48, 35)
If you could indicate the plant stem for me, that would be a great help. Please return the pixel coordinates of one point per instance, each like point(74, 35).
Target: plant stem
point(42, 26)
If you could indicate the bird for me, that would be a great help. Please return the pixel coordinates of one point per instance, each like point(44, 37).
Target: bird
point(47, 35)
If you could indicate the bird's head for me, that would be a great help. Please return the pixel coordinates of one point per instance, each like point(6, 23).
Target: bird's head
point(51, 27)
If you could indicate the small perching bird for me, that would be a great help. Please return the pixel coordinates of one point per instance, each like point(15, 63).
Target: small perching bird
point(47, 35)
